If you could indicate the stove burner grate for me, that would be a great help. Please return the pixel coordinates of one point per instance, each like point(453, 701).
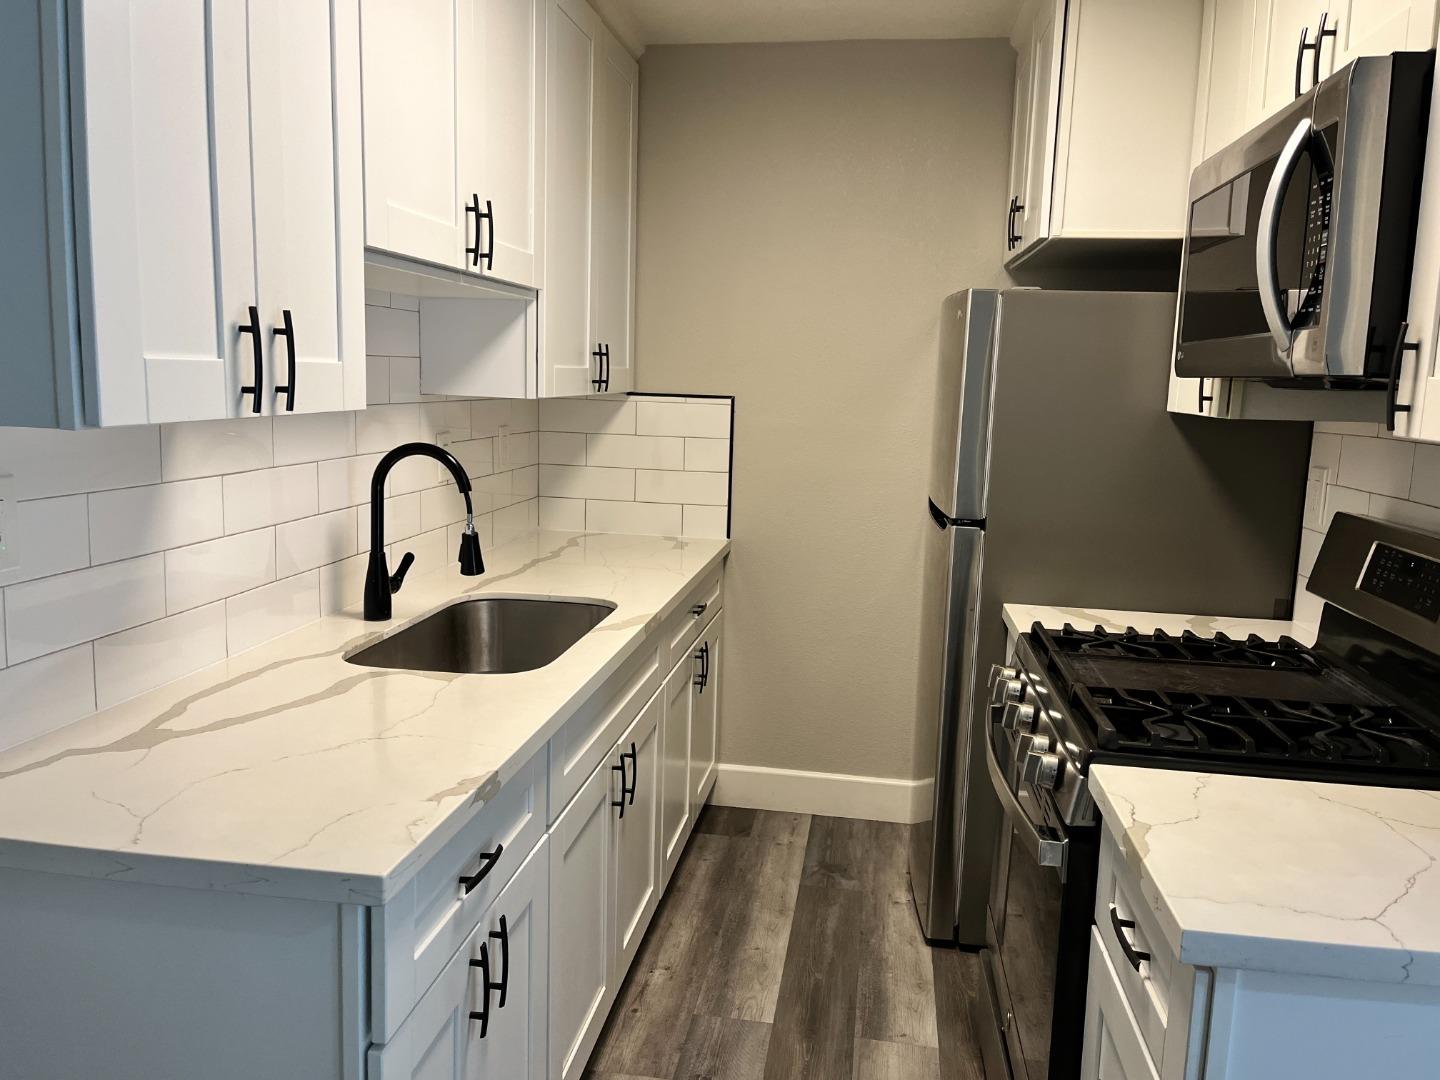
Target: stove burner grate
point(1285, 654)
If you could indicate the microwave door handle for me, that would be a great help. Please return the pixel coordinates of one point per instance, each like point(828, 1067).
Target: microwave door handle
point(1267, 277)
point(1045, 845)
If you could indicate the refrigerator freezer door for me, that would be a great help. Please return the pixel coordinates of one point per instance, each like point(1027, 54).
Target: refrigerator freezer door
point(953, 558)
point(960, 445)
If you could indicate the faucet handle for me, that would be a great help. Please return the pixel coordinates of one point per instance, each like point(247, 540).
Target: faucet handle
point(398, 578)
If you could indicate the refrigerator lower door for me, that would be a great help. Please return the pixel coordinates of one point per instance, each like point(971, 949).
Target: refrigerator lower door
point(947, 683)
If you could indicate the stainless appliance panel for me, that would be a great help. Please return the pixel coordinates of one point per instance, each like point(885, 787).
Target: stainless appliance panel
point(959, 454)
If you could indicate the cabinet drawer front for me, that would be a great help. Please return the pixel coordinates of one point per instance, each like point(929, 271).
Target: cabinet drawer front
point(417, 931)
point(1114, 1048)
point(588, 736)
point(1148, 988)
point(683, 628)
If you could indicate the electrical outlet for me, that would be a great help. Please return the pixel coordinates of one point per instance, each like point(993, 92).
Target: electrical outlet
point(9, 522)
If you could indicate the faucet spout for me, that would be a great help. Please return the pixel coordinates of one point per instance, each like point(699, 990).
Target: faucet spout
point(380, 585)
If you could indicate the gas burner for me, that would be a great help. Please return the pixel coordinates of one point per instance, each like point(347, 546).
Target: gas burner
point(1286, 654)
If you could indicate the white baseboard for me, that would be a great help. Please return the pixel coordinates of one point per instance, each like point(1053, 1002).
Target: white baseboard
point(871, 798)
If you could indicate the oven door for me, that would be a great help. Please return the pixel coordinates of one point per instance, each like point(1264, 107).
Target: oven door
point(1256, 245)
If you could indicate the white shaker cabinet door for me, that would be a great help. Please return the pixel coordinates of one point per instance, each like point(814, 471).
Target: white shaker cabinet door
point(415, 204)
point(675, 808)
point(580, 859)
point(1278, 65)
point(517, 936)
point(637, 853)
point(705, 709)
point(1032, 220)
point(567, 365)
point(1113, 1048)
point(305, 124)
point(159, 329)
point(612, 250)
point(502, 134)
point(1378, 27)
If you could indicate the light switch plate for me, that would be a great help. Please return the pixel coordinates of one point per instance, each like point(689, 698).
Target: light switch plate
point(9, 522)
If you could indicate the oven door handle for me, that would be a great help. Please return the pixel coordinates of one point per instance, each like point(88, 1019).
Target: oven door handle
point(1047, 846)
point(1267, 277)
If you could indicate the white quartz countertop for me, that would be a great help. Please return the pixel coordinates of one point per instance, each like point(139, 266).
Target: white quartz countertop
point(1283, 875)
point(288, 771)
point(1020, 617)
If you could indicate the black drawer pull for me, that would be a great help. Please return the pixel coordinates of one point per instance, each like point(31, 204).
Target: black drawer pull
point(605, 376)
point(489, 253)
point(483, 1013)
point(1300, 56)
point(634, 771)
point(488, 859)
point(1205, 398)
point(1134, 955)
point(472, 251)
point(698, 610)
point(257, 384)
point(1320, 35)
point(503, 937)
point(702, 677)
point(288, 333)
point(598, 354)
point(624, 788)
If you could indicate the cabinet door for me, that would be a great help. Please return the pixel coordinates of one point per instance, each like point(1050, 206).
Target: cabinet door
point(1019, 141)
point(612, 248)
point(566, 364)
point(1277, 58)
point(1378, 27)
point(1112, 1049)
point(502, 137)
point(580, 862)
point(517, 934)
point(675, 765)
point(1222, 111)
point(305, 138)
point(159, 327)
point(1033, 222)
point(414, 201)
point(705, 710)
point(637, 851)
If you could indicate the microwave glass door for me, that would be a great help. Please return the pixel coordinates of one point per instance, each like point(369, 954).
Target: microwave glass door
point(1222, 288)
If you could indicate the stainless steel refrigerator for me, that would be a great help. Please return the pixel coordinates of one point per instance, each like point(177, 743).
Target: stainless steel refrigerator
point(1058, 477)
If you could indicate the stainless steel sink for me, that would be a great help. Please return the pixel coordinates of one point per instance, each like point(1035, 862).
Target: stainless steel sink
point(487, 636)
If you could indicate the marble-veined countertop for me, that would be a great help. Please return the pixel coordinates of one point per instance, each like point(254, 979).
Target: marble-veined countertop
point(287, 771)
point(1283, 875)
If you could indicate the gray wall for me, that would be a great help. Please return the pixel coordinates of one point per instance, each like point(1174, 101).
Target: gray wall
point(804, 208)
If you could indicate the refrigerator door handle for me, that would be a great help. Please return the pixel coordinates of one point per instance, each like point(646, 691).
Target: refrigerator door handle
point(945, 521)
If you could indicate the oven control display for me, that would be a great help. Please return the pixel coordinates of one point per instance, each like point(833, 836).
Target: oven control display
point(1404, 579)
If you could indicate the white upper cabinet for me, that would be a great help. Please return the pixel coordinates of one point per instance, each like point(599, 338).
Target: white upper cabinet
point(454, 133)
point(214, 186)
point(612, 243)
point(1285, 60)
point(1108, 90)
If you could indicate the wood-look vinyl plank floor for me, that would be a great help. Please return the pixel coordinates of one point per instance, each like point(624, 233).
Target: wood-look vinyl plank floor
point(787, 948)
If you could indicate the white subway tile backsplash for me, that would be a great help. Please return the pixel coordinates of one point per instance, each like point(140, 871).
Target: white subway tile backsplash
point(445, 416)
point(313, 437)
point(314, 541)
point(46, 694)
point(1310, 541)
point(402, 519)
point(415, 474)
point(1348, 500)
point(384, 427)
point(514, 521)
point(1325, 452)
point(562, 448)
point(441, 506)
point(377, 380)
point(1382, 466)
point(203, 573)
point(432, 551)
point(703, 488)
point(377, 297)
point(704, 421)
point(584, 482)
point(404, 379)
point(525, 482)
point(650, 519)
point(583, 414)
point(255, 617)
point(401, 300)
point(346, 481)
point(213, 447)
point(1347, 427)
point(342, 584)
point(52, 536)
point(707, 455)
point(256, 499)
point(1402, 512)
point(392, 331)
point(46, 463)
point(138, 521)
point(476, 455)
point(711, 521)
point(516, 449)
point(54, 613)
point(567, 515)
point(635, 451)
point(134, 661)
point(1425, 482)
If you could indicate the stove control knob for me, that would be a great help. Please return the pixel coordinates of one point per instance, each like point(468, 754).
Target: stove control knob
point(999, 673)
point(1041, 769)
point(1019, 716)
point(1006, 691)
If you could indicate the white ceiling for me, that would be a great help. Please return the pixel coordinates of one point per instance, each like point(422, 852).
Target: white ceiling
point(668, 22)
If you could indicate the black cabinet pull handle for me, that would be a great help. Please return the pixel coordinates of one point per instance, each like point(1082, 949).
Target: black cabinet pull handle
point(1320, 35)
point(1205, 398)
point(698, 610)
point(483, 1013)
point(258, 382)
point(702, 679)
point(288, 333)
point(598, 355)
point(624, 788)
point(1392, 383)
point(472, 251)
point(1134, 955)
point(488, 859)
point(634, 771)
point(605, 352)
point(503, 937)
point(489, 253)
point(1010, 225)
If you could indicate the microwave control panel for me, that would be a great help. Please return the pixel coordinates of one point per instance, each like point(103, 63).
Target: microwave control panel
point(1317, 248)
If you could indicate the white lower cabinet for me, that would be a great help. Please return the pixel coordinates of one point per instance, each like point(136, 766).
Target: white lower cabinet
point(1113, 1048)
point(675, 765)
point(485, 1016)
point(705, 709)
point(635, 881)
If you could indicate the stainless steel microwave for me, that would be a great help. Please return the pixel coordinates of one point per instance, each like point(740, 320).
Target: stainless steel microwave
point(1301, 235)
